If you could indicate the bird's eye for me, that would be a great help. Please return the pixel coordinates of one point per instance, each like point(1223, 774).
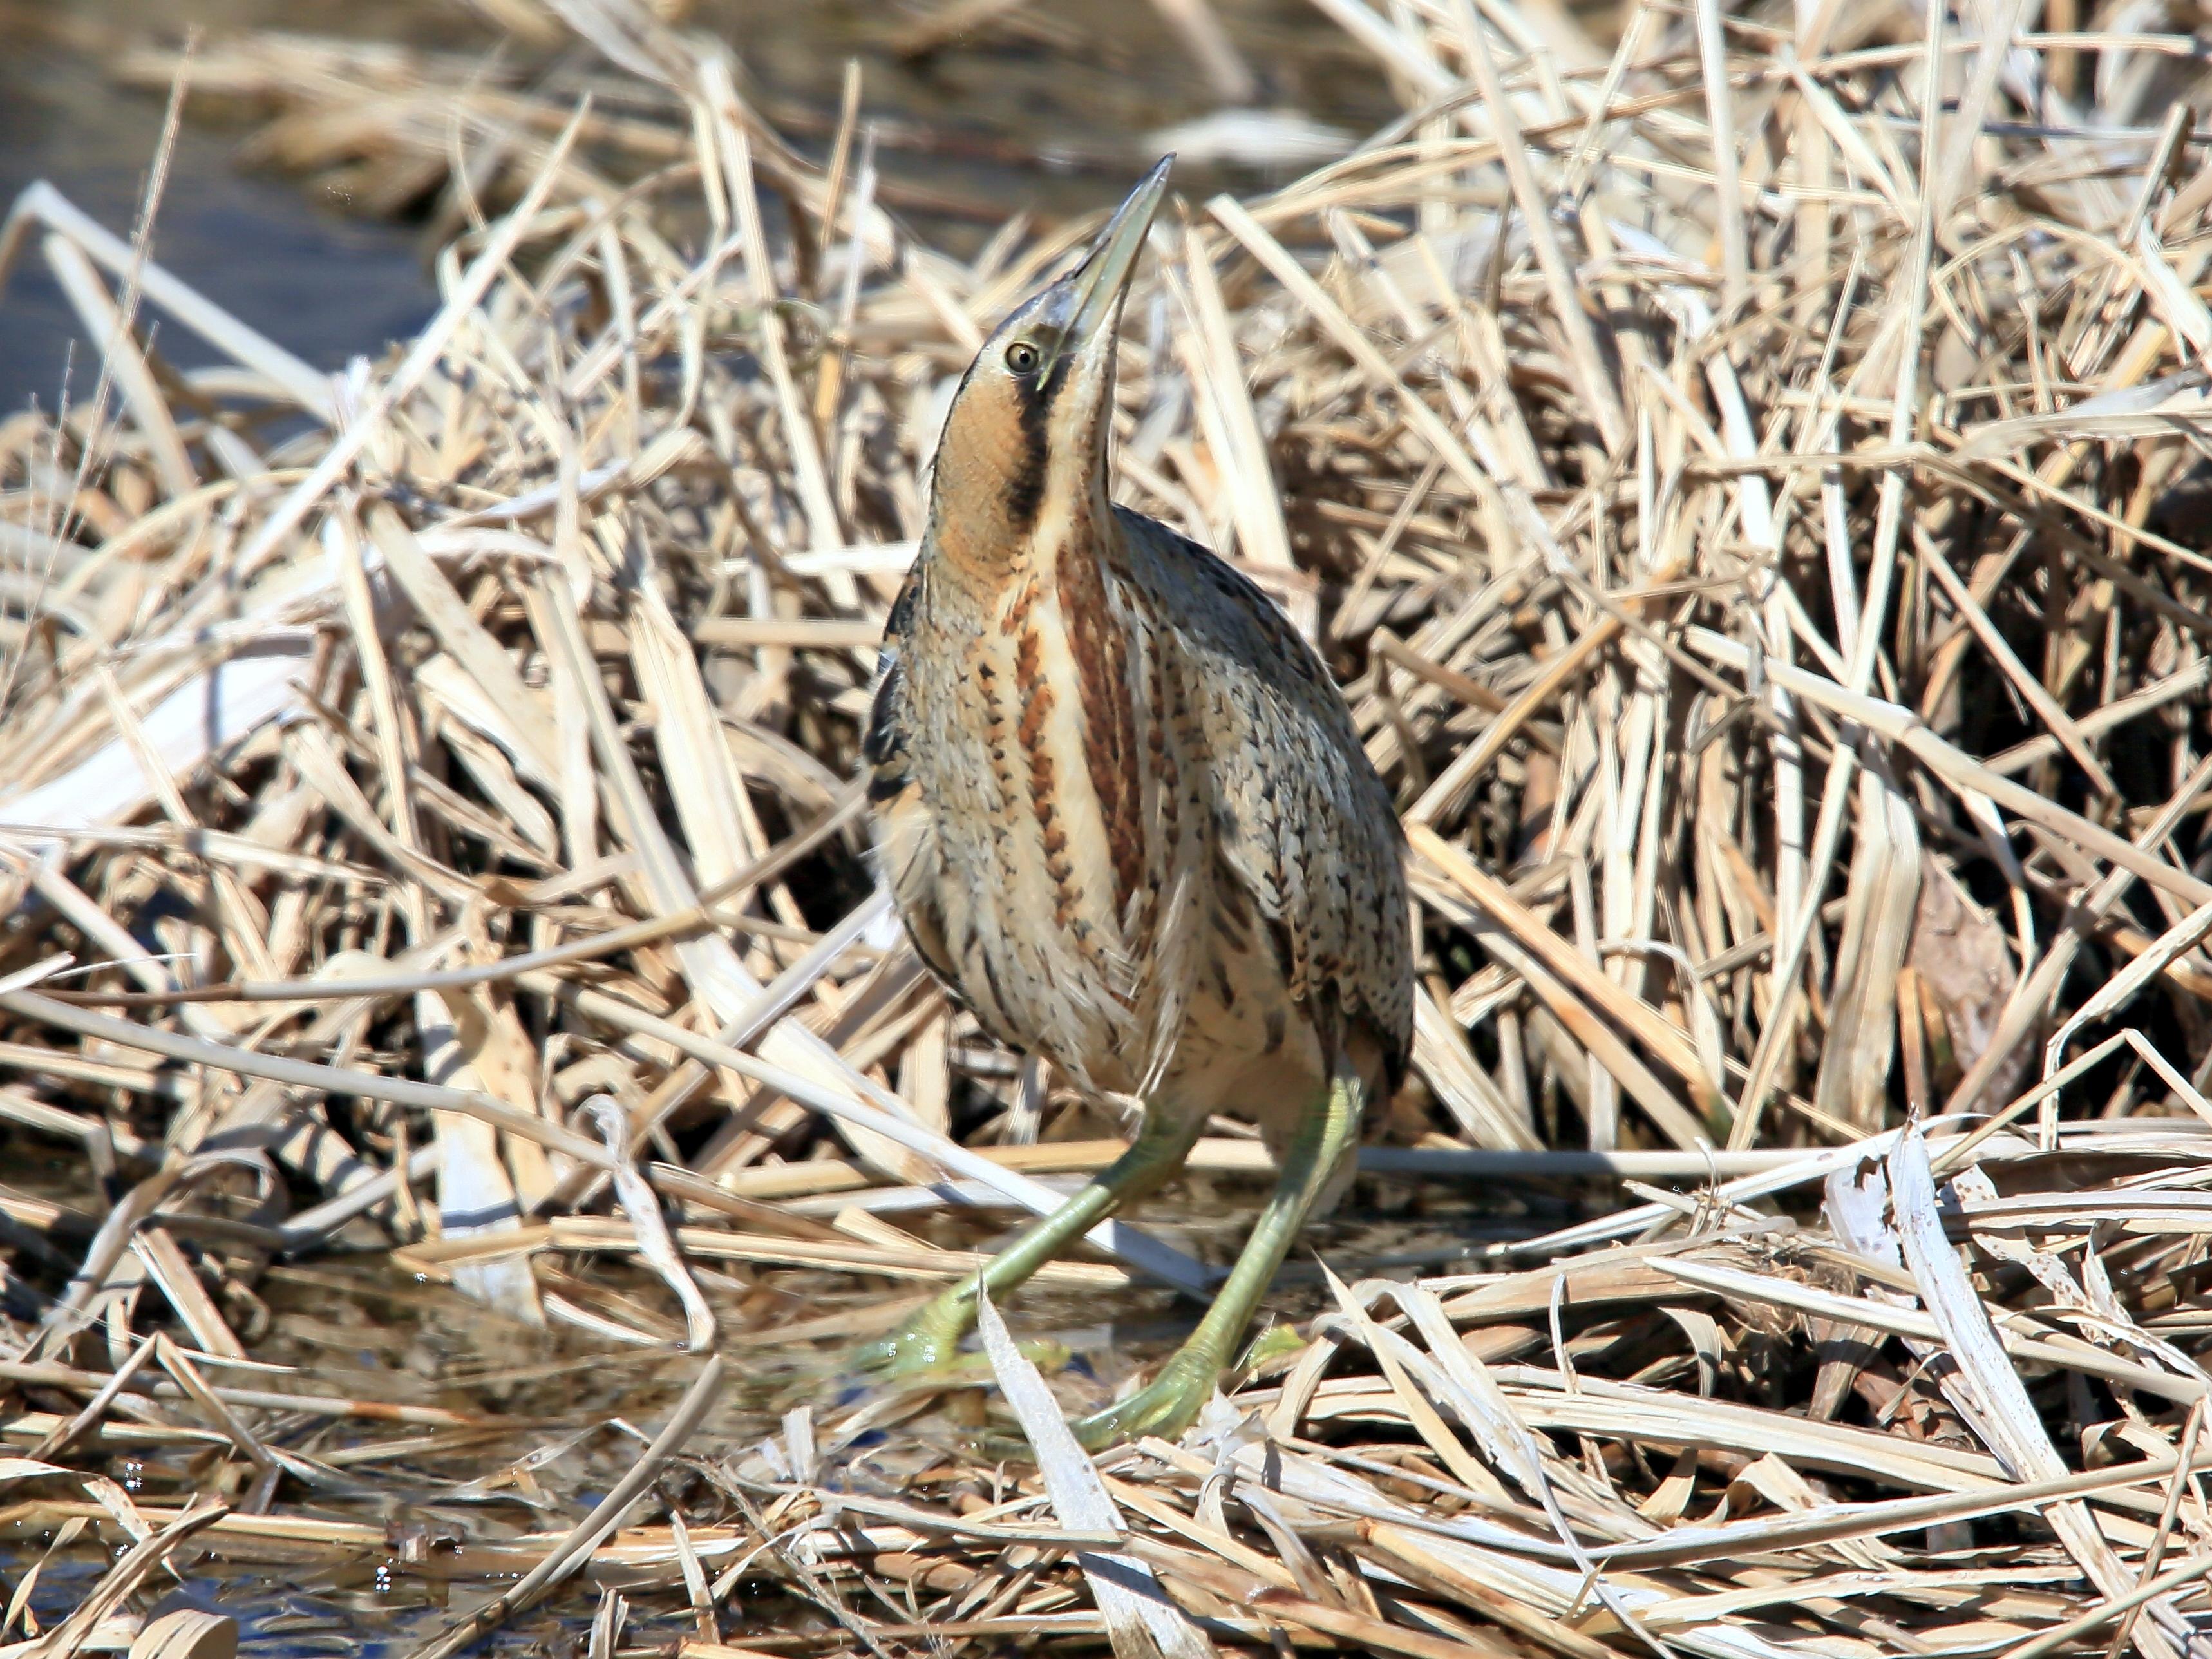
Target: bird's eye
point(1021, 356)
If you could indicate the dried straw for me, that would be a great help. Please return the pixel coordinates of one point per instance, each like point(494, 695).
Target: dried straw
point(1751, 485)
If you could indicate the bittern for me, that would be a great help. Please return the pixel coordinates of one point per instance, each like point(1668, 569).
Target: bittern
point(1127, 817)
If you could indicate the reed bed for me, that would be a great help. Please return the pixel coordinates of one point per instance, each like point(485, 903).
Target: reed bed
point(1752, 486)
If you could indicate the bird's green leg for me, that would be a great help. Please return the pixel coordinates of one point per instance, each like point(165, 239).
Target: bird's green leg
point(931, 1336)
point(1170, 1402)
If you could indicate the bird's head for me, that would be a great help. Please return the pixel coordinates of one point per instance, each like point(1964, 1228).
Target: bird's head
point(1024, 448)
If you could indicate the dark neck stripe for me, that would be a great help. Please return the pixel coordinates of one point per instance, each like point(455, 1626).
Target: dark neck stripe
point(1025, 489)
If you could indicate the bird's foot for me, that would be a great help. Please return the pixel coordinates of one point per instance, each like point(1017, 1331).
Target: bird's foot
point(925, 1350)
point(929, 1340)
point(1165, 1406)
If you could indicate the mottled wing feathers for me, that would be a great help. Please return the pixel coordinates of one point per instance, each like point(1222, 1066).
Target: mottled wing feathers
point(889, 716)
point(907, 834)
point(1301, 823)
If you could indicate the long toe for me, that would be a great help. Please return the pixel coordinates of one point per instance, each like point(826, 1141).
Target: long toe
point(1166, 1406)
point(929, 1340)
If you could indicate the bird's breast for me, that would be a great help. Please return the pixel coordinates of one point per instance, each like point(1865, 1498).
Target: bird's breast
point(1062, 708)
point(1042, 795)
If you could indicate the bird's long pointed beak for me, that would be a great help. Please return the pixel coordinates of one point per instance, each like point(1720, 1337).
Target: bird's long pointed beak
point(1104, 273)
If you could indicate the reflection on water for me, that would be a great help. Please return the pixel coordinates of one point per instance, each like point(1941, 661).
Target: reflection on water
point(440, 1501)
point(323, 285)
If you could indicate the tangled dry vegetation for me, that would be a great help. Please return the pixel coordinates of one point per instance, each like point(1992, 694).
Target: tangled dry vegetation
point(1759, 520)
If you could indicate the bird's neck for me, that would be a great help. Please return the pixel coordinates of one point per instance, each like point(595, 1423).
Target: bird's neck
point(988, 536)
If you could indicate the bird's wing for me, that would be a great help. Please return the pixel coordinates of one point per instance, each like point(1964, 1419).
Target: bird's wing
point(907, 848)
point(1300, 821)
point(889, 720)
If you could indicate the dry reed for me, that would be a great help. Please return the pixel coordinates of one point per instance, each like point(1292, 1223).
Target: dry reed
point(1752, 485)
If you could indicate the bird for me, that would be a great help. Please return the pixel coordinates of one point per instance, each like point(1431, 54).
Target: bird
point(1126, 819)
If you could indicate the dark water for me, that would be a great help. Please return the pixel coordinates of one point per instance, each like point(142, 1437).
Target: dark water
point(325, 286)
point(1052, 112)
